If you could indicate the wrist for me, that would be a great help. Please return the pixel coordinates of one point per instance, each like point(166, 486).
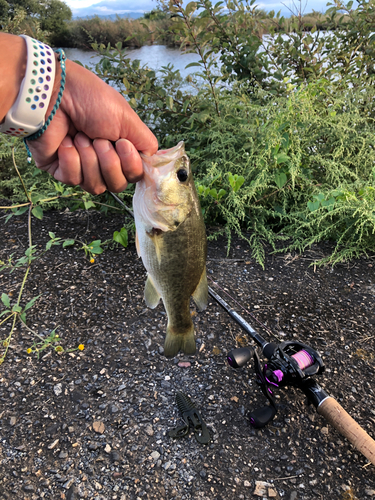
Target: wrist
point(13, 58)
point(27, 115)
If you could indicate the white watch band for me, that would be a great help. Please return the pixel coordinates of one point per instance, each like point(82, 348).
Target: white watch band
point(27, 115)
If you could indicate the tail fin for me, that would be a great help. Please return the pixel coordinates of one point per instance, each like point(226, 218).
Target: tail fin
point(174, 342)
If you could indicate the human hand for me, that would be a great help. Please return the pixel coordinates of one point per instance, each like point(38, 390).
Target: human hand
point(94, 137)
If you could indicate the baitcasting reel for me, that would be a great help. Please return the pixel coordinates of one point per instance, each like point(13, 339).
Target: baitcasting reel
point(289, 363)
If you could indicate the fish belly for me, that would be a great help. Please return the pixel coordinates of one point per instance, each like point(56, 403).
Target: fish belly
point(176, 265)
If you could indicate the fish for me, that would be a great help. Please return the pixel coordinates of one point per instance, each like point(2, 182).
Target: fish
point(171, 240)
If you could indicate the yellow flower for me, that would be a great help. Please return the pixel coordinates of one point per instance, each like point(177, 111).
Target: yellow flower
point(59, 349)
point(29, 350)
point(92, 260)
point(81, 347)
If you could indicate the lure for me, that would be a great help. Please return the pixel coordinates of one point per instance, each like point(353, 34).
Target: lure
point(192, 419)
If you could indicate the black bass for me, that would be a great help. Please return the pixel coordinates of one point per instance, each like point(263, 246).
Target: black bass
point(171, 239)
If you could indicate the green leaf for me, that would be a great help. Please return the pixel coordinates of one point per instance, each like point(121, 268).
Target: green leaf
point(5, 300)
point(169, 101)
point(31, 303)
point(88, 204)
point(16, 308)
point(35, 197)
point(190, 65)
point(37, 212)
point(239, 181)
point(121, 237)
point(23, 317)
point(281, 158)
point(280, 179)
point(51, 235)
point(96, 250)
point(68, 243)
point(313, 205)
point(21, 210)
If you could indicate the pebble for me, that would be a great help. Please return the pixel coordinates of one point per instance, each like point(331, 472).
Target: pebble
point(98, 426)
point(155, 455)
point(57, 389)
point(261, 488)
point(149, 430)
point(107, 448)
point(53, 445)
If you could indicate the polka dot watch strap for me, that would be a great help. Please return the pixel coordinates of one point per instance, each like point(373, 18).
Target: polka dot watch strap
point(27, 114)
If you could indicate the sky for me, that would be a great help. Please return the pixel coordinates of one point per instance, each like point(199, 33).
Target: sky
point(107, 7)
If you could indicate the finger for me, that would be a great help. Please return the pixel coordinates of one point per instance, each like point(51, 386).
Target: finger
point(68, 168)
point(92, 179)
point(141, 136)
point(131, 162)
point(110, 166)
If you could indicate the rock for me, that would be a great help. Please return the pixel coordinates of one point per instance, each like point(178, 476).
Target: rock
point(72, 493)
point(113, 409)
point(13, 421)
point(272, 493)
point(149, 430)
point(69, 483)
point(155, 455)
point(261, 488)
point(369, 492)
point(28, 488)
point(293, 495)
point(107, 448)
point(184, 364)
point(53, 445)
point(115, 456)
point(98, 426)
point(324, 431)
point(57, 389)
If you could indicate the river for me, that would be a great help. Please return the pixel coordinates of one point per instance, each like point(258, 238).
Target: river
point(153, 56)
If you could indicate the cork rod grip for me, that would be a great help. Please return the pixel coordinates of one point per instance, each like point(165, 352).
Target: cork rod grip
point(335, 414)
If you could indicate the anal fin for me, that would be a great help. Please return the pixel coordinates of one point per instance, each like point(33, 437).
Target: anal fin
point(152, 296)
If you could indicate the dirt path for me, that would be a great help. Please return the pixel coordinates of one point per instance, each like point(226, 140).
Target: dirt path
point(94, 424)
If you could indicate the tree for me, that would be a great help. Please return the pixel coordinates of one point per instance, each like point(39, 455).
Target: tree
point(50, 15)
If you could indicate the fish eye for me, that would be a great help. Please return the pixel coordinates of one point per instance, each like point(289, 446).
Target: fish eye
point(182, 175)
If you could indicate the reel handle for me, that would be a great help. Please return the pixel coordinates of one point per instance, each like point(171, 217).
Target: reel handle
point(239, 357)
point(262, 416)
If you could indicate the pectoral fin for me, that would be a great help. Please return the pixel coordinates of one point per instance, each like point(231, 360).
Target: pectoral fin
point(152, 296)
point(200, 294)
point(154, 235)
point(137, 246)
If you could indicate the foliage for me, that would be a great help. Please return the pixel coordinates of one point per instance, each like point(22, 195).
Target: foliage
point(279, 128)
point(45, 20)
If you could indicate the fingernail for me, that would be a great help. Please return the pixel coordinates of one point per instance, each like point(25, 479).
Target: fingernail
point(82, 140)
point(124, 147)
point(67, 142)
point(102, 146)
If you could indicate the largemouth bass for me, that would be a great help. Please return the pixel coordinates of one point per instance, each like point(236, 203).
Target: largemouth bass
point(171, 239)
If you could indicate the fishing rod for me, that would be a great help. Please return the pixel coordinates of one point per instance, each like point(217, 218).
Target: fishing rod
point(293, 363)
point(290, 364)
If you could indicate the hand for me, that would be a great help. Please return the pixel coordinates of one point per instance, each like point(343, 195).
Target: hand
point(94, 138)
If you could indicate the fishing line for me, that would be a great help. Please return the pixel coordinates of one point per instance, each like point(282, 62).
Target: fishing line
point(265, 327)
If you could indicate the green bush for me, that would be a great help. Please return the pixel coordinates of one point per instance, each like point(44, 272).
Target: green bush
point(280, 134)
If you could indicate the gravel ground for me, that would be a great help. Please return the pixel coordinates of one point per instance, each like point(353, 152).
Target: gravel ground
point(94, 424)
